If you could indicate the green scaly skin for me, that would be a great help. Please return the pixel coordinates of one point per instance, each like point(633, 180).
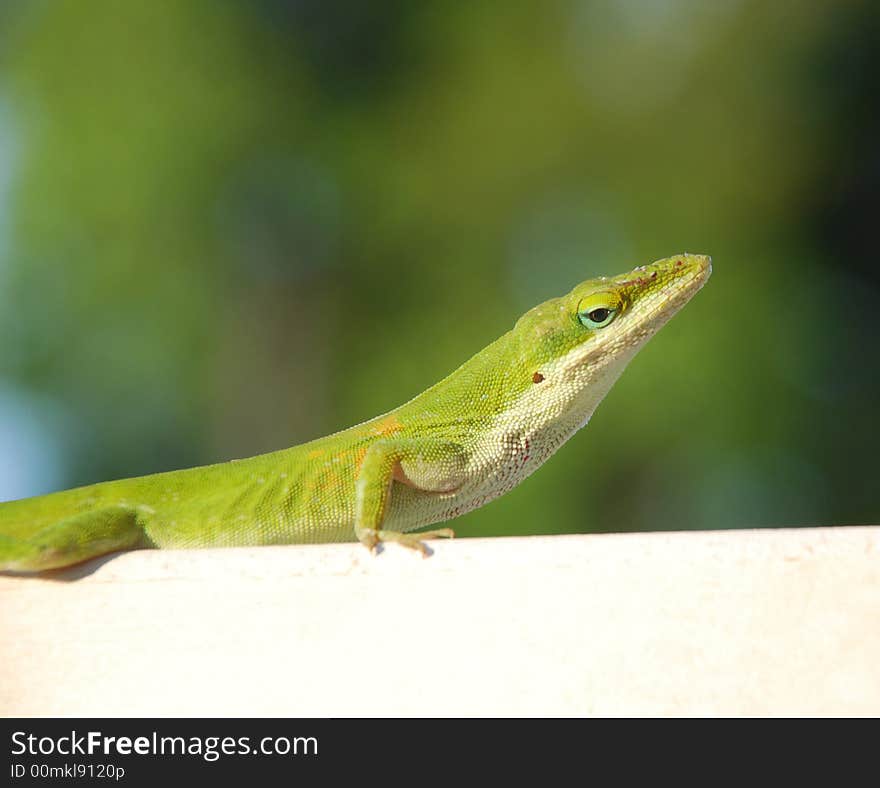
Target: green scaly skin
point(466, 440)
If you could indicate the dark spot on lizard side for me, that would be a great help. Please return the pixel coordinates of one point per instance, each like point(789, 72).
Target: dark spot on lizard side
point(537, 377)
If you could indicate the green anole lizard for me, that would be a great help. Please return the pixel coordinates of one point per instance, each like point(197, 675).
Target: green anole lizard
point(466, 440)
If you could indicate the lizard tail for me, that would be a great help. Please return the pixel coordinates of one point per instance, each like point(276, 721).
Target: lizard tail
point(72, 540)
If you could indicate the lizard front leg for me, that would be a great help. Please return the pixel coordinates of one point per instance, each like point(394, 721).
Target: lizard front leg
point(432, 466)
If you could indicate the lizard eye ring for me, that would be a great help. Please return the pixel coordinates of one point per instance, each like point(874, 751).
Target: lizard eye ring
point(599, 316)
point(595, 315)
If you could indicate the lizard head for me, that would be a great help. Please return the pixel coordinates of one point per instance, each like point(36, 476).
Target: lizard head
point(562, 356)
point(583, 340)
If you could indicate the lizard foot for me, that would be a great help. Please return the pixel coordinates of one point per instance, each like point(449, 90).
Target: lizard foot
point(370, 538)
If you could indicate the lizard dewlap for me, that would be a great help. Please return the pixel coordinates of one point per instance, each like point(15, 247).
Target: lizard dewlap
point(466, 440)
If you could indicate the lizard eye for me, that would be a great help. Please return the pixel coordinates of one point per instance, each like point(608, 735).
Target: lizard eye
point(595, 315)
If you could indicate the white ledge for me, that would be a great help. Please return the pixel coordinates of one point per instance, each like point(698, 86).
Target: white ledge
point(766, 622)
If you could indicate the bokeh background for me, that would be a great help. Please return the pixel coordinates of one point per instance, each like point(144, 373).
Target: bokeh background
point(230, 226)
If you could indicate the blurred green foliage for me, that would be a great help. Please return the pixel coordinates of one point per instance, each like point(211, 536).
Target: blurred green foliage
point(229, 227)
